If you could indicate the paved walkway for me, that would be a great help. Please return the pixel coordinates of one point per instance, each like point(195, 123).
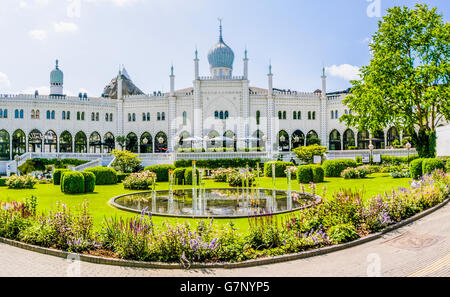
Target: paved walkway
point(419, 249)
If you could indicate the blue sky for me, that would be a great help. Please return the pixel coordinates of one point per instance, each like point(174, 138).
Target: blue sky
point(91, 38)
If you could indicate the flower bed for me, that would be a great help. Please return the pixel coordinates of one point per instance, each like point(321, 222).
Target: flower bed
point(140, 181)
point(344, 218)
point(21, 182)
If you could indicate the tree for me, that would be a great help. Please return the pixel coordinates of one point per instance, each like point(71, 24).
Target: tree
point(121, 140)
point(406, 82)
point(307, 153)
point(125, 161)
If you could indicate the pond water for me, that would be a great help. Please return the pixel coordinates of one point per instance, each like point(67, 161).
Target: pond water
point(214, 202)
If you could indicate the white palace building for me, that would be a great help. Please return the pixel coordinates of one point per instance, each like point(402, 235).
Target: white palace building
point(222, 115)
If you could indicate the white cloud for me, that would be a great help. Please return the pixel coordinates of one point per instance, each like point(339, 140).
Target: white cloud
point(38, 34)
point(63, 27)
point(115, 2)
point(41, 2)
point(4, 80)
point(344, 71)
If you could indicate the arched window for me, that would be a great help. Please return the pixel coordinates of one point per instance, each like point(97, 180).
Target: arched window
point(258, 117)
point(97, 116)
point(298, 139)
point(148, 117)
point(48, 114)
point(63, 115)
point(216, 114)
point(314, 115)
point(283, 141)
point(109, 142)
point(1, 113)
point(284, 115)
point(132, 143)
point(312, 138)
point(134, 117)
point(163, 116)
point(78, 116)
point(16, 113)
point(363, 140)
point(53, 115)
point(309, 115)
point(299, 115)
point(143, 117)
point(5, 113)
point(146, 143)
point(95, 143)
point(129, 117)
point(184, 118)
point(35, 141)
point(65, 142)
point(221, 115)
point(226, 114)
point(336, 114)
point(4, 145)
point(110, 117)
point(332, 114)
point(158, 115)
point(349, 139)
point(18, 143)
point(280, 115)
point(161, 142)
point(393, 137)
point(80, 142)
point(21, 113)
point(294, 115)
point(93, 116)
point(82, 116)
point(50, 142)
point(106, 117)
point(33, 114)
point(335, 140)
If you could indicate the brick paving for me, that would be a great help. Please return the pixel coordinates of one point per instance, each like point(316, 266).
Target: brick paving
point(418, 249)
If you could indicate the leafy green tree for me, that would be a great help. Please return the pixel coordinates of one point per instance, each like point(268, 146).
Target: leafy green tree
point(122, 141)
point(125, 161)
point(307, 153)
point(406, 82)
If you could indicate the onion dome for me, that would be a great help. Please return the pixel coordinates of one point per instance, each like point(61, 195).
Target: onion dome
point(56, 76)
point(221, 55)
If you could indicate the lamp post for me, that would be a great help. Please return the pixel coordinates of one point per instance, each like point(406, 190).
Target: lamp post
point(17, 159)
point(371, 152)
point(408, 147)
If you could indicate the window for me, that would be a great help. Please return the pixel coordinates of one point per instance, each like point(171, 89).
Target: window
point(63, 115)
point(48, 114)
point(82, 116)
point(226, 114)
point(309, 115)
point(280, 115)
point(284, 115)
point(97, 117)
point(163, 116)
point(16, 113)
point(332, 115)
point(221, 115)
point(158, 116)
point(92, 116)
point(1, 113)
point(294, 115)
point(314, 115)
point(53, 114)
point(37, 114)
point(148, 117)
point(134, 117)
point(336, 115)
point(68, 115)
point(216, 114)
point(5, 114)
point(258, 117)
point(184, 118)
point(78, 116)
point(299, 115)
point(110, 117)
point(106, 117)
point(143, 117)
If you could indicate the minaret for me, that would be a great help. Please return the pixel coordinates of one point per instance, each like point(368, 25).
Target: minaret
point(196, 65)
point(270, 77)
point(56, 81)
point(245, 65)
point(172, 82)
point(323, 111)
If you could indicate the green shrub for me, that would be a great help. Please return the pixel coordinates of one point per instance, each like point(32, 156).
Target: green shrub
point(72, 182)
point(238, 179)
point(21, 182)
point(122, 176)
point(103, 175)
point(57, 176)
point(162, 171)
point(3, 181)
point(31, 165)
point(447, 166)
point(358, 172)
point(188, 176)
point(318, 173)
point(342, 233)
point(334, 168)
point(431, 164)
point(89, 182)
point(219, 163)
point(415, 167)
point(305, 174)
point(178, 175)
point(140, 181)
point(396, 161)
point(280, 168)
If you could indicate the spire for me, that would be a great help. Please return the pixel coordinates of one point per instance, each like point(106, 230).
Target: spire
point(171, 70)
point(220, 29)
point(196, 53)
point(57, 62)
point(270, 67)
point(245, 53)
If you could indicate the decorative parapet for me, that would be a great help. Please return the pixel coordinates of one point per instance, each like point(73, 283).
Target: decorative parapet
point(220, 78)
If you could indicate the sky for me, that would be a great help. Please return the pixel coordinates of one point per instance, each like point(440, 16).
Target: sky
point(92, 38)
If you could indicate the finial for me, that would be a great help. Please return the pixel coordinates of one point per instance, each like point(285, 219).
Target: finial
point(245, 52)
point(220, 28)
point(323, 71)
point(171, 70)
point(270, 66)
point(196, 53)
point(57, 62)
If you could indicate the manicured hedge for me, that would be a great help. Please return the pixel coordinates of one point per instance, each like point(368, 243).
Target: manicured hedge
point(280, 168)
point(394, 160)
point(72, 182)
point(178, 175)
point(188, 176)
point(304, 174)
point(89, 182)
point(310, 173)
point(3, 182)
point(122, 176)
point(431, 164)
point(57, 175)
point(219, 163)
point(334, 168)
point(103, 175)
point(415, 167)
point(162, 171)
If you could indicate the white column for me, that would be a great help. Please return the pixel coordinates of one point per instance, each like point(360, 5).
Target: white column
point(271, 138)
point(120, 109)
point(198, 114)
point(196, 60)
point(245, 66)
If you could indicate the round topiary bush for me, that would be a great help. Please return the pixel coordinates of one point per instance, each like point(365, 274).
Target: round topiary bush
point(188, 176)
point(280, 168)
point(318, 173)
point(89, 182)
point(415, 167)
point(334, 168)
point(162, 171)
point(103, 175)
point(57, 176)
point(305, 174)
point(431, 164)
point(72, 182)
point(178, 175)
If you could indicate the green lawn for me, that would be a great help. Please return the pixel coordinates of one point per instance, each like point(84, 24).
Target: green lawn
point(49, 195)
